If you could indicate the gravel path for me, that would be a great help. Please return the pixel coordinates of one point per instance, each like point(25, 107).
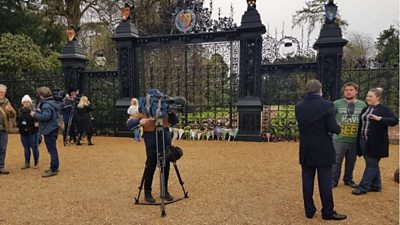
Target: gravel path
point(228, 183)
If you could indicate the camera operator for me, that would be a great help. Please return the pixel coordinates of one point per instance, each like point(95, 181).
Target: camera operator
point(68, 108)
point(149, 136)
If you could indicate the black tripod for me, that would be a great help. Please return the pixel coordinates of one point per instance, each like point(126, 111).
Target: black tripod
point(161, 163)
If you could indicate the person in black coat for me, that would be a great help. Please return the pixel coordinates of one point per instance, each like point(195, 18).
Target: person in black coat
point(84, 119)
point(28, 129)
point(316, 122)
point(373, 140)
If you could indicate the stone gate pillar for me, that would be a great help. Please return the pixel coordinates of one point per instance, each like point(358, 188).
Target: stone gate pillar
point(330, 51)
point(128, 78)
point(249, 99)
point(73, 60)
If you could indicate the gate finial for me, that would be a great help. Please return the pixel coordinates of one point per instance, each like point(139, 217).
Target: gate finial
point(126, 11)
point(251, 4)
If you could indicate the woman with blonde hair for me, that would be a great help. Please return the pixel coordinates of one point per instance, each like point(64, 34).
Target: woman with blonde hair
point(132, 111)
point(84, 119)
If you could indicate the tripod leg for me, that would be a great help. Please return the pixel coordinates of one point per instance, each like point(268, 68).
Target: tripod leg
point(162, 191)
point(141, 186)
point(180, 179)
point(161, 163)
point(67, 135)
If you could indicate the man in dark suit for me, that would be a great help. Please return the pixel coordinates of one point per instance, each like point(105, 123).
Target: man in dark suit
point(316, 121)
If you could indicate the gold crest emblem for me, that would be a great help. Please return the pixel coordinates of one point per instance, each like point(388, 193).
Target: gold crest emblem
point(71, 33)
point(186, 18)
point(125, 12)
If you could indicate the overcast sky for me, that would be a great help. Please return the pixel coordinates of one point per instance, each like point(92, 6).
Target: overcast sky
point(365, 16)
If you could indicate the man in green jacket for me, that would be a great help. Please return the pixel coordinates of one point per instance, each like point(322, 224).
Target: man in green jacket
point(347, 110)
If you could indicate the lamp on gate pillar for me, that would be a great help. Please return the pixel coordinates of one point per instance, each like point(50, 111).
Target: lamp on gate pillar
point(330, 12)
point(330, 51)
point(251, 4)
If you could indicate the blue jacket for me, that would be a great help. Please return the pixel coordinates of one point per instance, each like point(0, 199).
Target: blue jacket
point(47, 116)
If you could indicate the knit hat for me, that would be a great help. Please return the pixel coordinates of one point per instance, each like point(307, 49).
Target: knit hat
point(26, 98)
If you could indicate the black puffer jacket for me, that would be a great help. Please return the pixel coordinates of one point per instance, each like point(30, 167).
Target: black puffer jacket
point(25, 122)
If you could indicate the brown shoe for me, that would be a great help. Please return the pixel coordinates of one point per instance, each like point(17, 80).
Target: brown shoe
point(49, 170)
point(26, 166)
point(4, 171)
point(50, 173)
point(351, 184)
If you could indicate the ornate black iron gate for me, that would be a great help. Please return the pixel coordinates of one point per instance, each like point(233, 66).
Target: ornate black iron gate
point(209, 81)
point(283, 88)
point(206, 75)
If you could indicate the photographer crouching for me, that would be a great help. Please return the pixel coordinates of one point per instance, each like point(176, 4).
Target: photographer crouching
point(147, 118)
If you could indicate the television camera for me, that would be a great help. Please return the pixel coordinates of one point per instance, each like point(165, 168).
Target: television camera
point(156, 105)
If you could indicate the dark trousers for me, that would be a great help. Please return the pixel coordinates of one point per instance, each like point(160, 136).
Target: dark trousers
point(89, 137)
point(371, 178)
point(151, 153)
point(30, 142)
point(72, 131)
point(3, 147)
point(325, 189)
point(51, 141)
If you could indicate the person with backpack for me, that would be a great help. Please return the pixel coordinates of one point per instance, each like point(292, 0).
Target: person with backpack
point(47, 115)
point(28, 129)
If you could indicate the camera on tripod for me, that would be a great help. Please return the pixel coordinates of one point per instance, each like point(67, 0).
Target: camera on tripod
point(156, 105)
point(58, 95)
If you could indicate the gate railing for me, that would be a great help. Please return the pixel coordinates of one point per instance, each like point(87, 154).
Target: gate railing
point(17, 88)
point(370, 74)
point(283, 88)
point(102, 90)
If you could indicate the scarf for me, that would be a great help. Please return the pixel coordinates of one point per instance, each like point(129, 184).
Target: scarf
point(3, 115)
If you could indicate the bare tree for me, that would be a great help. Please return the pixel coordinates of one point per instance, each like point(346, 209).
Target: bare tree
point(73, 10)
point(360, 46)
point(313, 14)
